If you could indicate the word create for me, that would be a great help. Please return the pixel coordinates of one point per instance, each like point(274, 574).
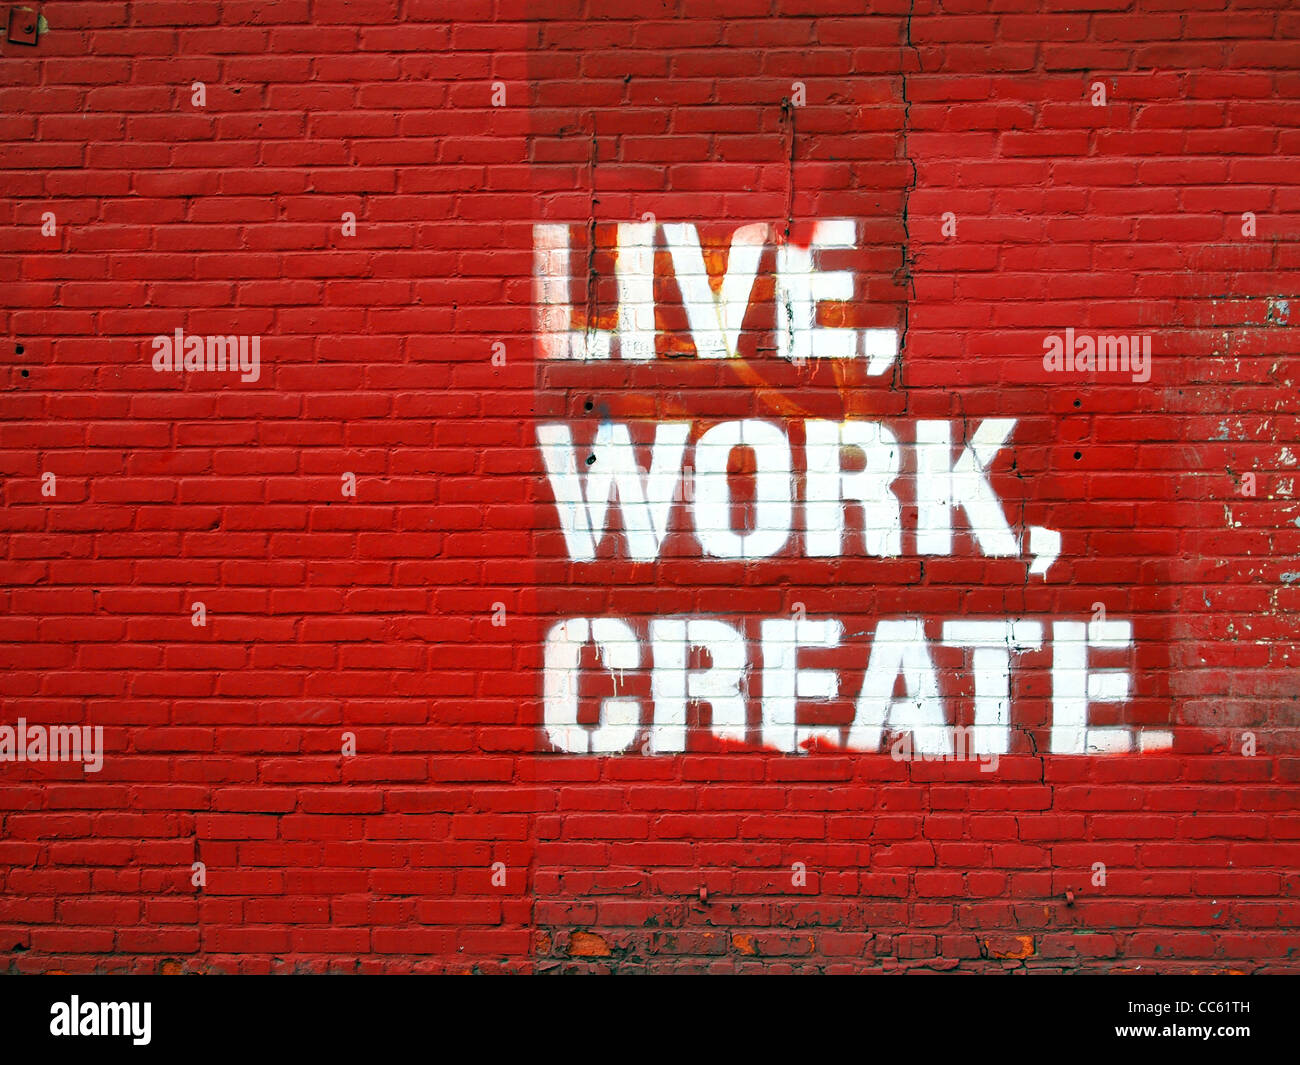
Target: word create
point(899, 649)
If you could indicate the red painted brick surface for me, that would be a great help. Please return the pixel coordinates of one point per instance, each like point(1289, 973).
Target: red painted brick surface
point(374, 615)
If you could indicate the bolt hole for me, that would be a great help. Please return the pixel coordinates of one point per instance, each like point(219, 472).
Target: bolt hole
point(25, 374)
point(591, 459)
point(18, 348)
point(588, 405)
point(1078, 403)
point(1078, 455)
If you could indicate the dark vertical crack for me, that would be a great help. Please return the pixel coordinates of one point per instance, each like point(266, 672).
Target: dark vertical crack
point(903, 275)
point(591, 239)
point(787, 118)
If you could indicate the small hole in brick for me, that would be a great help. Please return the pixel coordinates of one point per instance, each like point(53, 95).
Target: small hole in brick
point(1078, 454)
point(25, 374)
point(18, 348)
point(1078, 403)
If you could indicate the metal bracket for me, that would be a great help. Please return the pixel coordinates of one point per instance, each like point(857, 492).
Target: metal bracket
point(23, 26)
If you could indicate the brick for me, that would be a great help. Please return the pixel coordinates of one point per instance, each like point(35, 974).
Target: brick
point(458, 837)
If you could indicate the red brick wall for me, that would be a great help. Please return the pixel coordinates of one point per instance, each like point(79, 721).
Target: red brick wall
point(994, 204)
